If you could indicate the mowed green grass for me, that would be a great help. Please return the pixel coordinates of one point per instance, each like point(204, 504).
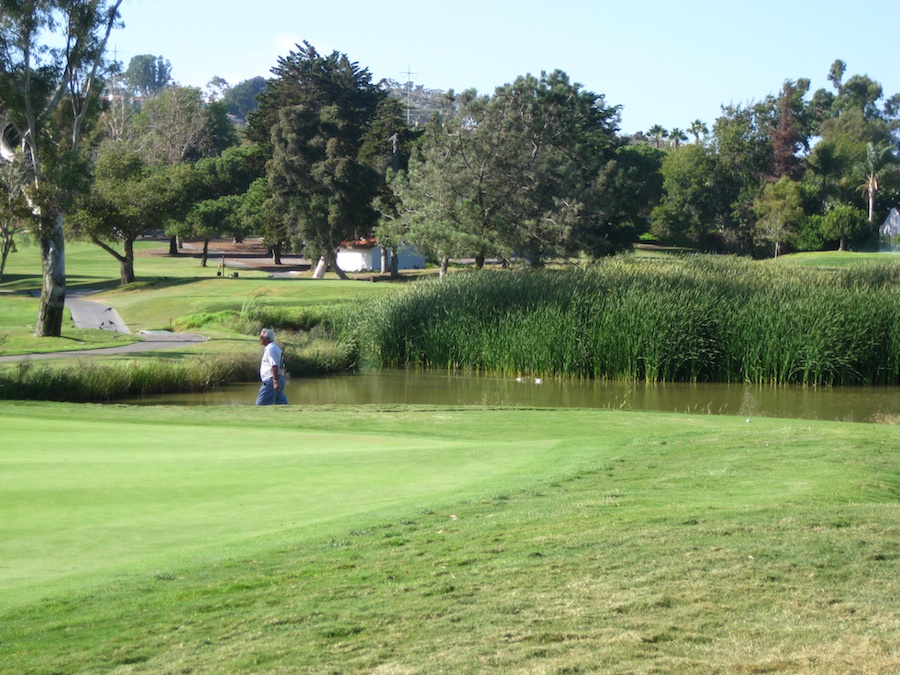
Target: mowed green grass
point(457, 540)
point(167, 288)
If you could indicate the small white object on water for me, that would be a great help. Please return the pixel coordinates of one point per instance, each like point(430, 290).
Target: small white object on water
point(538, 380)
point(520, 379)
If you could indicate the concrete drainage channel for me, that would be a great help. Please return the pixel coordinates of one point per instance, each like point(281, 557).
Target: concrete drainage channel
point(92, 314)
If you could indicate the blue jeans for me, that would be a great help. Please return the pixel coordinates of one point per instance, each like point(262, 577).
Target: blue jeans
point(268, 395)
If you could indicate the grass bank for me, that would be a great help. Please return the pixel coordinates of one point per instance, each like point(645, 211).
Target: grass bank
point(445, 540)
point(694, 318)
point(173, 293)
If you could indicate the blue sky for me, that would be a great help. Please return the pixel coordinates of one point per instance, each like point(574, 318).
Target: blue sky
point(665, 63)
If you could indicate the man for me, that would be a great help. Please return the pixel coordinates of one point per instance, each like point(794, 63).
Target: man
point(271, 371)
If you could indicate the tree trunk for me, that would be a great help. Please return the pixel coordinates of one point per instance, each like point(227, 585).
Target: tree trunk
point(53, 289)
point(8, 244)
point(445, 263)
point(479, 261)
point(384, 260)
point(173, 245)
point(321, 267)
point(126, 264)
point(205, 254)
point(395, 264)
point(276, 253)
point(331, 259)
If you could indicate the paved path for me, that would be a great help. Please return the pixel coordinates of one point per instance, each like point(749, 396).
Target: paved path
point(92, 314)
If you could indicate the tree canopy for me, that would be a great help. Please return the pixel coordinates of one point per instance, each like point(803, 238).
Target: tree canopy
point(51, 53)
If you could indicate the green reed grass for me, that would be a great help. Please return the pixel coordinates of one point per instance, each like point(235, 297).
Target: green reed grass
point(85, 381)
point(687, 319)
point(81, 380)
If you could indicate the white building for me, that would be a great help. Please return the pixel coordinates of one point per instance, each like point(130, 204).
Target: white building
point(365, 256)
point(891, 226)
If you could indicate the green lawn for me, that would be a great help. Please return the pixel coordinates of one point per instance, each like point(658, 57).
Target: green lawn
point(167, 289)
point(407, 539)
point(456, 540)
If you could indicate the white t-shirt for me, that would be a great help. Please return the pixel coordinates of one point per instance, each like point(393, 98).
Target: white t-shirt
point(271, 357)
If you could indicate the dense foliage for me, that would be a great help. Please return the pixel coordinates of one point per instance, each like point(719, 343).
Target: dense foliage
point(792, 172)
point(703, 319)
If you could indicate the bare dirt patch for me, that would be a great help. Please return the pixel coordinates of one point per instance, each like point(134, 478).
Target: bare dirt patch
point(248, 254)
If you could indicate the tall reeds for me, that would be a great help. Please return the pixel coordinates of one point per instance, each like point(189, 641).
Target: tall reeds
point(98, 382)
point(688, 319)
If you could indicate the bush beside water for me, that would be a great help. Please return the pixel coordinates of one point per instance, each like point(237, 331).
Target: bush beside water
point(691, 319)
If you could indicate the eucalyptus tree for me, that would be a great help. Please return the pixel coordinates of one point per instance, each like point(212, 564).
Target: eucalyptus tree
point(176, 126)
point(314, 114)
point(14, 212)
point(51, 53)
point(147, 75)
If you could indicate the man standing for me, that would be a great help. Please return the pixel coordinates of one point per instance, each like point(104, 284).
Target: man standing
point(271, 371)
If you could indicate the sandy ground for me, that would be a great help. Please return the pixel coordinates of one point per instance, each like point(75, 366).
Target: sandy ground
point(248, 254)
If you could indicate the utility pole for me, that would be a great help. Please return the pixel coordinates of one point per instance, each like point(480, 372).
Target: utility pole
point(409, 75)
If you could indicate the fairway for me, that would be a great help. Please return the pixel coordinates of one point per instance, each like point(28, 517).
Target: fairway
point(444, 539)
point(100, 492)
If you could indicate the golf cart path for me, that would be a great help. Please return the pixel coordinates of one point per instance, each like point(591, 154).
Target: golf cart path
point(92, 314)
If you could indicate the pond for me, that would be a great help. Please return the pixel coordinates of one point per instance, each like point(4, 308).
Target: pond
point(386, 387)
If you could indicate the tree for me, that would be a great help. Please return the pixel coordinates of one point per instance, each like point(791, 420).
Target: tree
point(14, 210)
point(315, 114)
point(51, 52)
point(879, 167)
point(175, 126)
point(677, 137)
point(147, 75)
point(386, 147)
point(516, 172)
point(790, 129)
point(627, 188)
point(780, 212)
point(129, 199)
point(658, 134)
point(429, 215)
point(241, 99)
point(843, 222)
point(693, 206)
point(221, 184)
point(257, 214)
point(743, 146)
point(698, 127)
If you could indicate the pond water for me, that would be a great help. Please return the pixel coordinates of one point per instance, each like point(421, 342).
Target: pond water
point(850, 404)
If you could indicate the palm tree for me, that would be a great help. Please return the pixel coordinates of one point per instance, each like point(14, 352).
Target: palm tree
point(657, 133)
point(677, 136)
point(880, 165)
point(697, 127)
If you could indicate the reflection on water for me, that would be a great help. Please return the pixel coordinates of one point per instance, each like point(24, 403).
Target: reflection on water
point(858, 404)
